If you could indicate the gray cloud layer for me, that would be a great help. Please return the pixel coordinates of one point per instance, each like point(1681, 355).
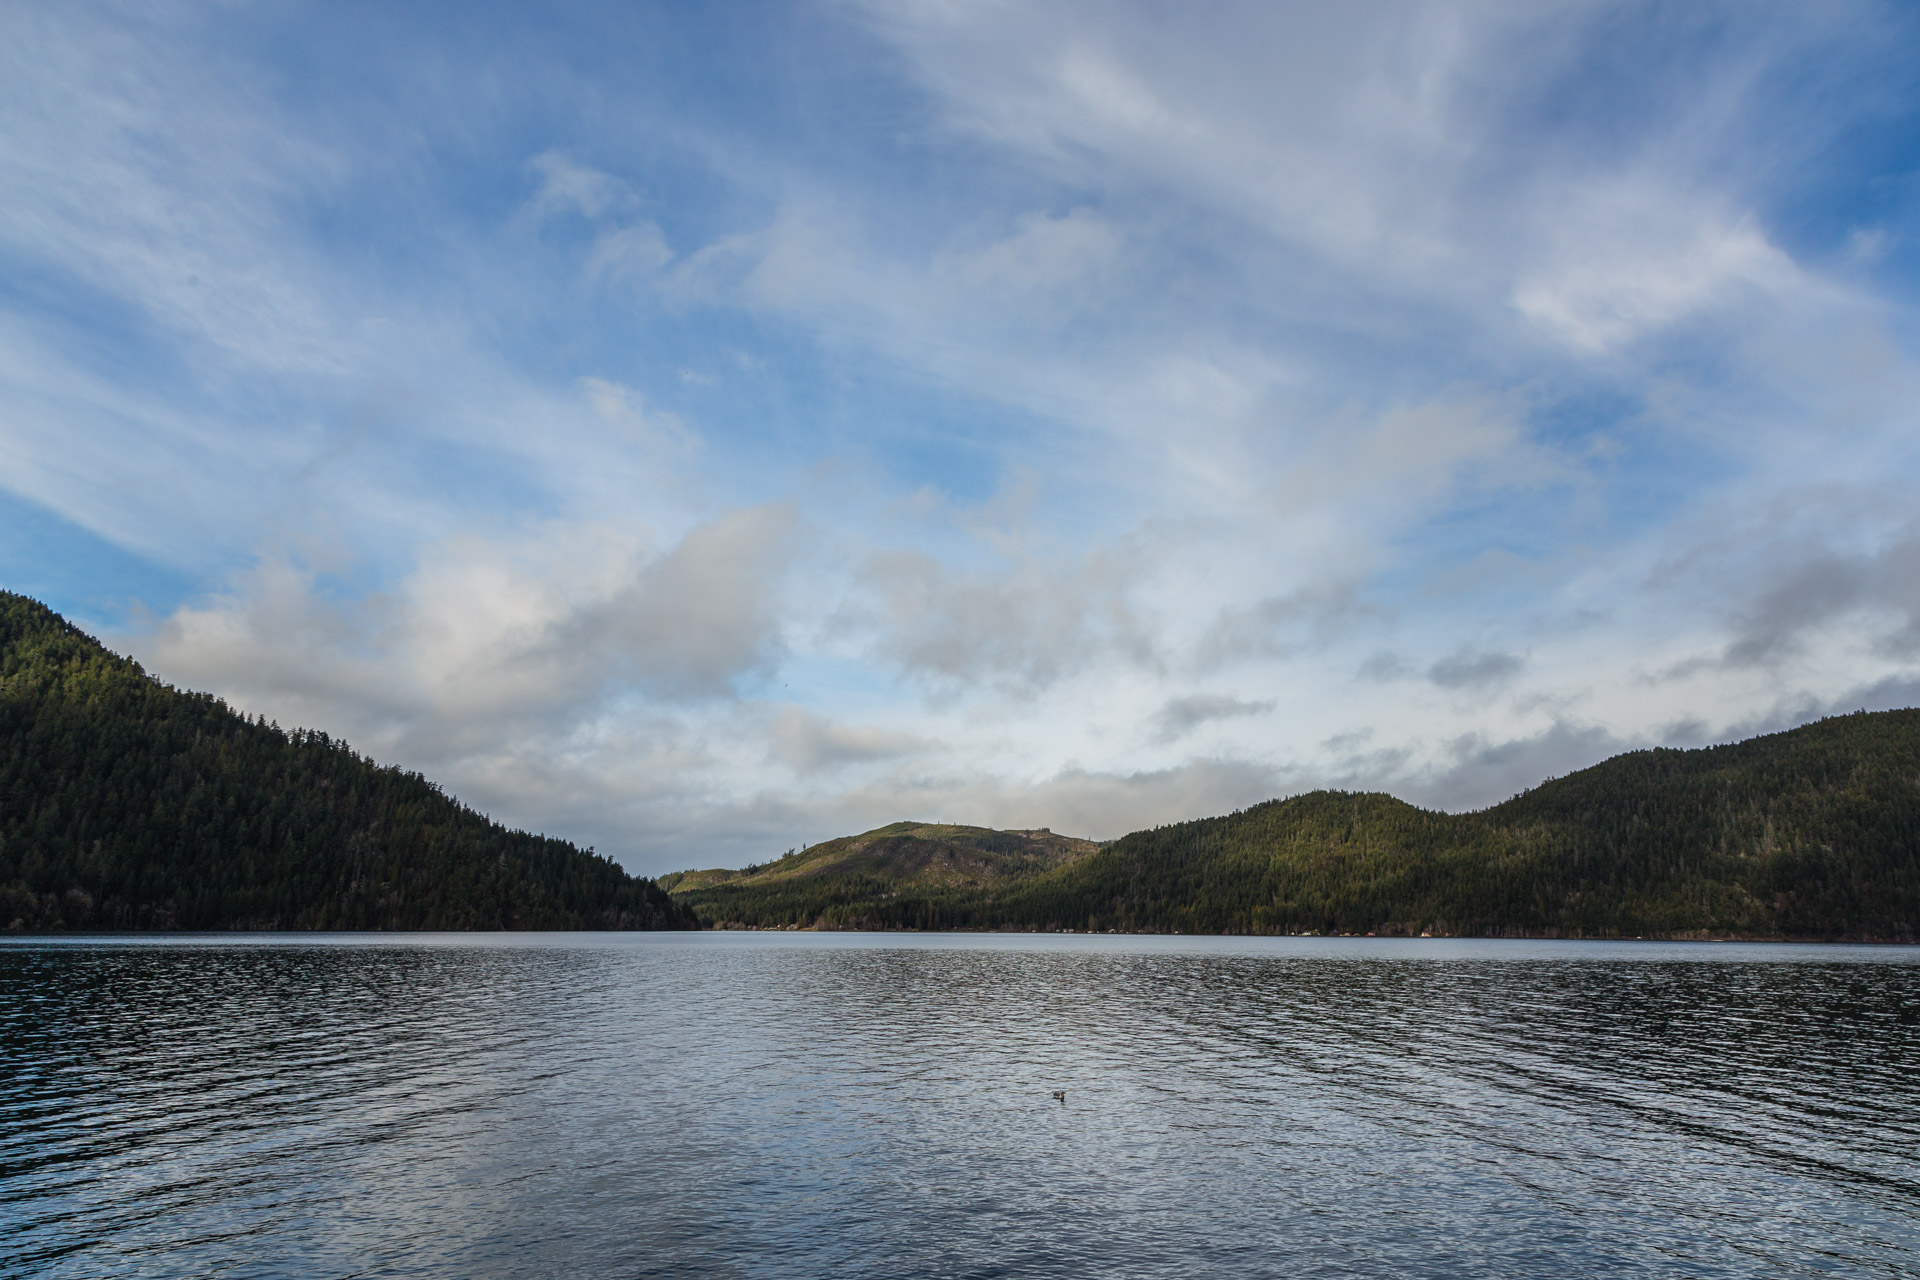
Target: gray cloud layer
point(1181, 716)
point(1472, 668)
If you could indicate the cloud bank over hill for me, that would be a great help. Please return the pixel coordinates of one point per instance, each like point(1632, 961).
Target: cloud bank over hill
point(696, 438)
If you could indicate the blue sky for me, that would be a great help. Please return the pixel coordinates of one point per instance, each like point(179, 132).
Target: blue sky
point(699, 430)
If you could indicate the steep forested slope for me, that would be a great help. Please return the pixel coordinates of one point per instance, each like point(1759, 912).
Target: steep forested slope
point(126, 804)
point(1812, 833)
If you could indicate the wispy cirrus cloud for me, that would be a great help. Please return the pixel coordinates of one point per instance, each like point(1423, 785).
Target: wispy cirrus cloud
point(1073, 416)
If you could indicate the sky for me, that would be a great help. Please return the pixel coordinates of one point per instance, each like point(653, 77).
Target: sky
point(698, 431)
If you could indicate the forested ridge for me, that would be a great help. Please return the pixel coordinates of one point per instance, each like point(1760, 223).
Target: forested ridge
point(127, 804)
point(1811, 833)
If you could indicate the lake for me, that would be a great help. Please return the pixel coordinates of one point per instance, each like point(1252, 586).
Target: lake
point(881, 1105)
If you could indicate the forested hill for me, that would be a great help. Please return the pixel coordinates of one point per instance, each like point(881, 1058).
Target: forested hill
point(906, 862)
point(127, 804)
point(1812, 833)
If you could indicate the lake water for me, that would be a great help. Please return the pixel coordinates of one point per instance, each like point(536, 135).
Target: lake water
point(880, 1105)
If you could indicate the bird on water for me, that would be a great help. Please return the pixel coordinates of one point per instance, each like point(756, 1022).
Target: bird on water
point(1061, 1094)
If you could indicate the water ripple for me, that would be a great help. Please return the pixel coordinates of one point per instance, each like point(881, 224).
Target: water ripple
point(751, 1105)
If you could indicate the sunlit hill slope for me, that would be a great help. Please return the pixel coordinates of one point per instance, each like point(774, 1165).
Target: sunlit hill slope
point(1811, 833)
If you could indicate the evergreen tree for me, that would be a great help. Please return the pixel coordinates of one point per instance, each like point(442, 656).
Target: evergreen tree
point(1812, 833)
point(127, 804)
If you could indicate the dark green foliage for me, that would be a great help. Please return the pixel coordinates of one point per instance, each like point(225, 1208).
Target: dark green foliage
point(1813, 833)
point(126, 804)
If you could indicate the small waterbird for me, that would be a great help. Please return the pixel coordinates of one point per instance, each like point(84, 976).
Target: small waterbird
point(1061, 1094)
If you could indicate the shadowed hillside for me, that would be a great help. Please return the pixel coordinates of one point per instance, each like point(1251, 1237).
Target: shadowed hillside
point(1812, 833)
point(127, 804)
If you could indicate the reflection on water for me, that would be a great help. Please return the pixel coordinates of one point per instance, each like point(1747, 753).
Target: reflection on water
point(757, 1105)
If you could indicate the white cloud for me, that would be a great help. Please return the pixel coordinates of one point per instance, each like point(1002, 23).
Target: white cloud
point(620, 406)
point(1042, 259)
point(1629, 264)
point(486, 639)
point(811, 744)
point(1019, 629)
point(1348, 133)
point(636, 251)
point(1398, 397)
point(146, 182)
point(1281, 626)
point(569, 187)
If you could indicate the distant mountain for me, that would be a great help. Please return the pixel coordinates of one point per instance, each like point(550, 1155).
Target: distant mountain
point(1812, 833)
point(835, 884)
point(127, 804)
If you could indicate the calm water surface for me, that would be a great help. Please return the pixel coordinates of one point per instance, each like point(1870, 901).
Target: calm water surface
point(879, 1105)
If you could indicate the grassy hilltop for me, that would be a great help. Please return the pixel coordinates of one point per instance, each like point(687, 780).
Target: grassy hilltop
point(908, 874)
point(128, 804)
point(1812, 833)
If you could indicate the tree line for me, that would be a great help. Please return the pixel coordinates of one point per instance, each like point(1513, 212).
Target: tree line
point(1811, 833)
